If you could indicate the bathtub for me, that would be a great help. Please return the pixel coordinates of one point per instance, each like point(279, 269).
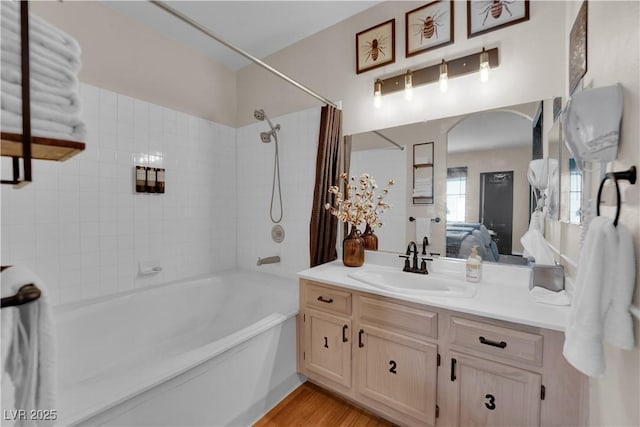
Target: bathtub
point(217, 350)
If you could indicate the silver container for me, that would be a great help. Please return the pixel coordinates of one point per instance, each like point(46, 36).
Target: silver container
point(547, 276)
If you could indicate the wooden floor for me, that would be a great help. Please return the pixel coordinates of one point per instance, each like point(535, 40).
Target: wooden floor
point(310, 406)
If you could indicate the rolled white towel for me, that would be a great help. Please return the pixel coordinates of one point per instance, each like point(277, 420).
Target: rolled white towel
point(12, 123)
point(48, 100)
point(41, 32)
point(41, 69)
point(42, 111)
point(11, 43)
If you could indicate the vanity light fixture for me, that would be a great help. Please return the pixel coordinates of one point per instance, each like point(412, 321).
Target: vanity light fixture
point(444, 77)
point(484, 66)
point(440, 72)
point(377, 93)
point(408, 86)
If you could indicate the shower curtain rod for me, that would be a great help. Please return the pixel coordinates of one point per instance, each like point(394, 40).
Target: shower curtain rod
point(247, 55)
point(389, 140)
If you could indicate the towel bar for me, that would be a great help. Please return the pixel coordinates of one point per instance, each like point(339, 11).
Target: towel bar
point(628, 175)
point(26, 294)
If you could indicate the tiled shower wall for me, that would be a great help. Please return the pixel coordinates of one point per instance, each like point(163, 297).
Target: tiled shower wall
point(298, 144)
point(83, 230)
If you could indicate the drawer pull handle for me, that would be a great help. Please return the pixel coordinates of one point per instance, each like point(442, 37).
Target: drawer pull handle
point(344, 333)
point(360, 344)
point(328, 301)
point(453, 369)
point(500, 344)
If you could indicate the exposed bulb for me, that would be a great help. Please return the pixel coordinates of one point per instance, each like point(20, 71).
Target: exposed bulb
point(484, 66)
point(444, 77)
point(408, 86)
point(377, 94)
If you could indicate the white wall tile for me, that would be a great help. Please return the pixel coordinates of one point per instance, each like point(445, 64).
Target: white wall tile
point(82, 228)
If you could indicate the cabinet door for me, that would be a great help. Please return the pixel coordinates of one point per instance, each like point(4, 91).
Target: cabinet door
point(397, 371)
point(328, 346)
point(493, 394)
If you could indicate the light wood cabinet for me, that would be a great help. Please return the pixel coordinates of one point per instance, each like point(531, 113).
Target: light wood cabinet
point(397, 371)
point(384, 354)
point(493, 394)
point(327, 346)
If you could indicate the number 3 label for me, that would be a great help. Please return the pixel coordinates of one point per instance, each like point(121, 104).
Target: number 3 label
point(491, 404)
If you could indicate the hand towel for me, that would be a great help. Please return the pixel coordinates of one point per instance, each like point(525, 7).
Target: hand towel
point(41, 32)
point(596, 285)
point(423, 229)
point(618, 323)
point(30, 358)
point(545, 296)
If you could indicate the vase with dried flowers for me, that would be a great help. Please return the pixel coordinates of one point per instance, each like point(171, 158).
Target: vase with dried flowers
point(358, 205)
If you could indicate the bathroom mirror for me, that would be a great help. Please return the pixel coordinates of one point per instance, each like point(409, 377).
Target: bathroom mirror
point(480, 172)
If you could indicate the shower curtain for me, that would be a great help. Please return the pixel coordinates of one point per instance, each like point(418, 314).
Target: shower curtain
point(323, 227)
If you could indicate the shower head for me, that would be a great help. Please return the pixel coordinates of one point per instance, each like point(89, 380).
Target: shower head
point(266, 136)
point(260, 115)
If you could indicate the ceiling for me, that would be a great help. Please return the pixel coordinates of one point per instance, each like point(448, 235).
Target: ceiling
point(484, 130)
point(258, 27)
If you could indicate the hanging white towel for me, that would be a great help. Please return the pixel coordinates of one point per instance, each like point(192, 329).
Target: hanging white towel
point(423, 229)
point(28, 348)
point(604, 286)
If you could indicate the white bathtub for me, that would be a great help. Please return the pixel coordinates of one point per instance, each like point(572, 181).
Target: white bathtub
point(214, 351)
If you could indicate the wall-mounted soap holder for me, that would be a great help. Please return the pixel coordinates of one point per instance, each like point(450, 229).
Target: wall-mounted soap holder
point(149, 180)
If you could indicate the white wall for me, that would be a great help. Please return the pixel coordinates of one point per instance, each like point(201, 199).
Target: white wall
point(81, 227)
point(124, 56)
point(531, 68)
point(613, 55)
point(391, 165)
point(298, 144)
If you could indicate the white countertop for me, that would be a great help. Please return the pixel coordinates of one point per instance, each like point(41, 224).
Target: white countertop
point(502, 294)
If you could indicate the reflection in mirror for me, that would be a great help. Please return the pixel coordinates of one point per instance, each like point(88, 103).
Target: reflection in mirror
point(493, 148)
point(571, 186)
point(480, 181)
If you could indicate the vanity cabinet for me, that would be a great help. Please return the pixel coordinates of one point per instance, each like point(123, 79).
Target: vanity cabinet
point(487, 393)
point(418, 365)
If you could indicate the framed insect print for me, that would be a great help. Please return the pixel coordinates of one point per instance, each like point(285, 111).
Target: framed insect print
point(428, 27)
point(578, 48)
point(376, 46)
point(484, 16)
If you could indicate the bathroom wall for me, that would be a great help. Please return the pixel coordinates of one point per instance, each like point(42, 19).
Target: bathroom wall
point(81, 227)
point(298, 144)
point(613, 55)
point(391, 165)
point(124, 56)
point(531, 68)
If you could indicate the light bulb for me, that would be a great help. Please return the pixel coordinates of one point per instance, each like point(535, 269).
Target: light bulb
point(408, 86)
point(377, 94)
point(484, 66)
point(444, 77)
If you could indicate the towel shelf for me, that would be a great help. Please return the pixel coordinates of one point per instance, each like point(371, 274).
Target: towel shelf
point(41, 148)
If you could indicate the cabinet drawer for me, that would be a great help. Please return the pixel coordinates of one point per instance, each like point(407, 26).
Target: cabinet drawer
point(496, 340)
point(327, 299)
point(409, 321)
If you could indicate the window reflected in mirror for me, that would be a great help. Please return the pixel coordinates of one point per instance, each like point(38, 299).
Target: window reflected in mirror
point(575, 192)
point(456, 194)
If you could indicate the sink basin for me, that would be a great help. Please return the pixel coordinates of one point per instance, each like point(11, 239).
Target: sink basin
point(432, 284)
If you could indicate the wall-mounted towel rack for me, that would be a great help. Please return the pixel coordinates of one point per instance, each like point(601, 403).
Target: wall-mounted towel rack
point(26, 294)
point(25, 146)
point(628, 175)
point(436, 219)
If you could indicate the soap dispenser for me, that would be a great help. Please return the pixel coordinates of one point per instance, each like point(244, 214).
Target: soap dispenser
point(474, 266)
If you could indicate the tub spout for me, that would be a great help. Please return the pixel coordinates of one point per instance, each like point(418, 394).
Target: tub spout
point(268, 260)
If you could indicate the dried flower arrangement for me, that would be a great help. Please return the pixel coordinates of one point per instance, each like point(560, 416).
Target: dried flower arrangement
point(360, 204)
